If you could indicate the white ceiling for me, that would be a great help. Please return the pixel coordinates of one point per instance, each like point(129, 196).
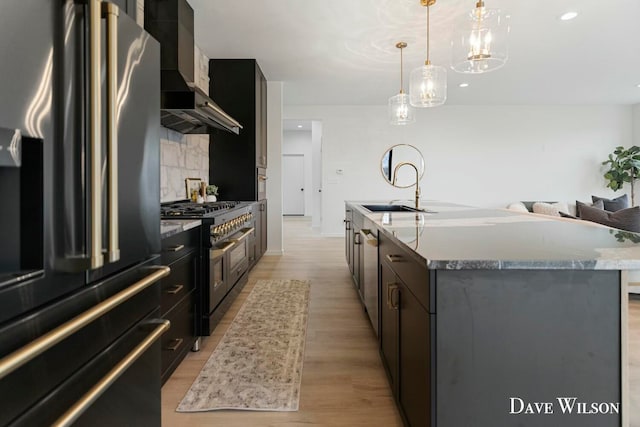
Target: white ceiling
point(296, 125)
point(343, 51)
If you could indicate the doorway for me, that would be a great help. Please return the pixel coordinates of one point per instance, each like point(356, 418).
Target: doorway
point(293, 184)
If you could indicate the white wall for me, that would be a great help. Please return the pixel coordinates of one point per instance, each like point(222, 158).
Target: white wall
point(299, 142)
point(484, 156)
point(316, 159)
point(274, 168)
point(636, 124)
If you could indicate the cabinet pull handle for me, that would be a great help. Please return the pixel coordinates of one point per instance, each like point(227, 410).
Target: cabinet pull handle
point(73, 413)
point(175, 248)
point(175, 289)
point(390, 288)
point(395, 258)
point(175, 344)
point(356, 239)
point(348, 224)
point(369, 237)
point(395, 290)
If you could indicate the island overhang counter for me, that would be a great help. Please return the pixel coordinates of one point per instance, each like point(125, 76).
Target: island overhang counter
point(490, 317)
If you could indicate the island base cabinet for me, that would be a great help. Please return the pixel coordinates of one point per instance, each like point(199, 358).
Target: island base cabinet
point(405, 348)
point(389, 322)
point(414, 386)
point(531, 336)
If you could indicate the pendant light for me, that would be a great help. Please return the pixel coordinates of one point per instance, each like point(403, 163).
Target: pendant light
point(428, 86)
point(400, 111)
point(481, 45)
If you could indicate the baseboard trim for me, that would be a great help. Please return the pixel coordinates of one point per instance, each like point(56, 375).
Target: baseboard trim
point(274, 253)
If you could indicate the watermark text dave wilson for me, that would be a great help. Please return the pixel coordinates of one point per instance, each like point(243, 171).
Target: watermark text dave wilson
point(562, 405)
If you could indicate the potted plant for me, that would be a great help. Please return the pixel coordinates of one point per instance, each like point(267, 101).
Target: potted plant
point(624, 167)
point(212, 192)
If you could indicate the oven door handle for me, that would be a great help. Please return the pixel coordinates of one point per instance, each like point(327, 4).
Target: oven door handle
point(244, 235)
point(73, 413)
point(219, 251)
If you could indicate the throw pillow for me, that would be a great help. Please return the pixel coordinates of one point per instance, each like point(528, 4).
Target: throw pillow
point(518, 207)
point(579, 205)
point(553, 209)
point(613, 205)
point(567, 215)
point(624, 219)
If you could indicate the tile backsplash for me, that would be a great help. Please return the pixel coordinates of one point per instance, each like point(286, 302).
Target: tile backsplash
point(181, 156)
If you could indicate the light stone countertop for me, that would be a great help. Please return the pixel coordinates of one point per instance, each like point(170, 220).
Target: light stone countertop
point(171, 227)
point(461, 237)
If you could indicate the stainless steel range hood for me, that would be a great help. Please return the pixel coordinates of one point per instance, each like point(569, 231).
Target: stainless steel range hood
point(185, 108)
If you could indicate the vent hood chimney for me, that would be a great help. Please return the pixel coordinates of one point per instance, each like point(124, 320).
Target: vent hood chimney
point(185, 108)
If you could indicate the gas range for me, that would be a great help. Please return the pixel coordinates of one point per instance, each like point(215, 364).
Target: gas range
point(227, 250)
point(190, 210)
point(220, 220)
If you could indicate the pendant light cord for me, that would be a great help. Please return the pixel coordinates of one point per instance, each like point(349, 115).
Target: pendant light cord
point(401, 73)
point(428, 61)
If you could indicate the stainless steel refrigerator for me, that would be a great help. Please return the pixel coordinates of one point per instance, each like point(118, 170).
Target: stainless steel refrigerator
point(79, 222)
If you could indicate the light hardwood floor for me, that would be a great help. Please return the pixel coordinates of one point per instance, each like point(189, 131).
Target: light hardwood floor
point(343, 382)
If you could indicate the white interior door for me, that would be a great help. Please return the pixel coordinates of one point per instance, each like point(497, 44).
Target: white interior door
point(293, 184)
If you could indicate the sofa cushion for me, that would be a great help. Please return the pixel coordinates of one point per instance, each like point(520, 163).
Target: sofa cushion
point(613, 205)
point(624, 219)
point(579, 205)
point(553, 209)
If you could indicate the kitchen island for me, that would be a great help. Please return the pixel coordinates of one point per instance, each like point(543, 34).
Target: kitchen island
point(494, 318)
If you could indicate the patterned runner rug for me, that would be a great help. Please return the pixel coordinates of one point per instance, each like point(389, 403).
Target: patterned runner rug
point(257, 365)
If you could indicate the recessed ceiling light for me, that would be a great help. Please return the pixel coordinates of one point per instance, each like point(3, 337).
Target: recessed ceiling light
point(464, 85)
point(568, 16)
point(299, 126)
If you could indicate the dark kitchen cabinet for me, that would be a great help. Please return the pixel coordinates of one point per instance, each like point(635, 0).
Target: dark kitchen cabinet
point(358, 254)
point(178, 300)
point(261, 126)
point(348, 237)
point(405, 332)
point(261, 228)
point(237, 162)
point(353, 247)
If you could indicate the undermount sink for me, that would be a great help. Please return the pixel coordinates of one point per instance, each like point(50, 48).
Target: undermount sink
point(390, 208)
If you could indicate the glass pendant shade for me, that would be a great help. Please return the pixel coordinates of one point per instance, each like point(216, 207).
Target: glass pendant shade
point(400, 111)
point(428, 86)
point(481, 45)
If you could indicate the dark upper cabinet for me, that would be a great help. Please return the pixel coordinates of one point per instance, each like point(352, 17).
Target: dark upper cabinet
point(239, 87)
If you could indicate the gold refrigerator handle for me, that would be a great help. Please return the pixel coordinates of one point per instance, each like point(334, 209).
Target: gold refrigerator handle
point(95, 133)
point(110, 12)
point(78, 408)
point(23, 355)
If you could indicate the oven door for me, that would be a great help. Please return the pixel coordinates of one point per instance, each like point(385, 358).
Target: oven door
point(218, 274)
point(239, 255)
